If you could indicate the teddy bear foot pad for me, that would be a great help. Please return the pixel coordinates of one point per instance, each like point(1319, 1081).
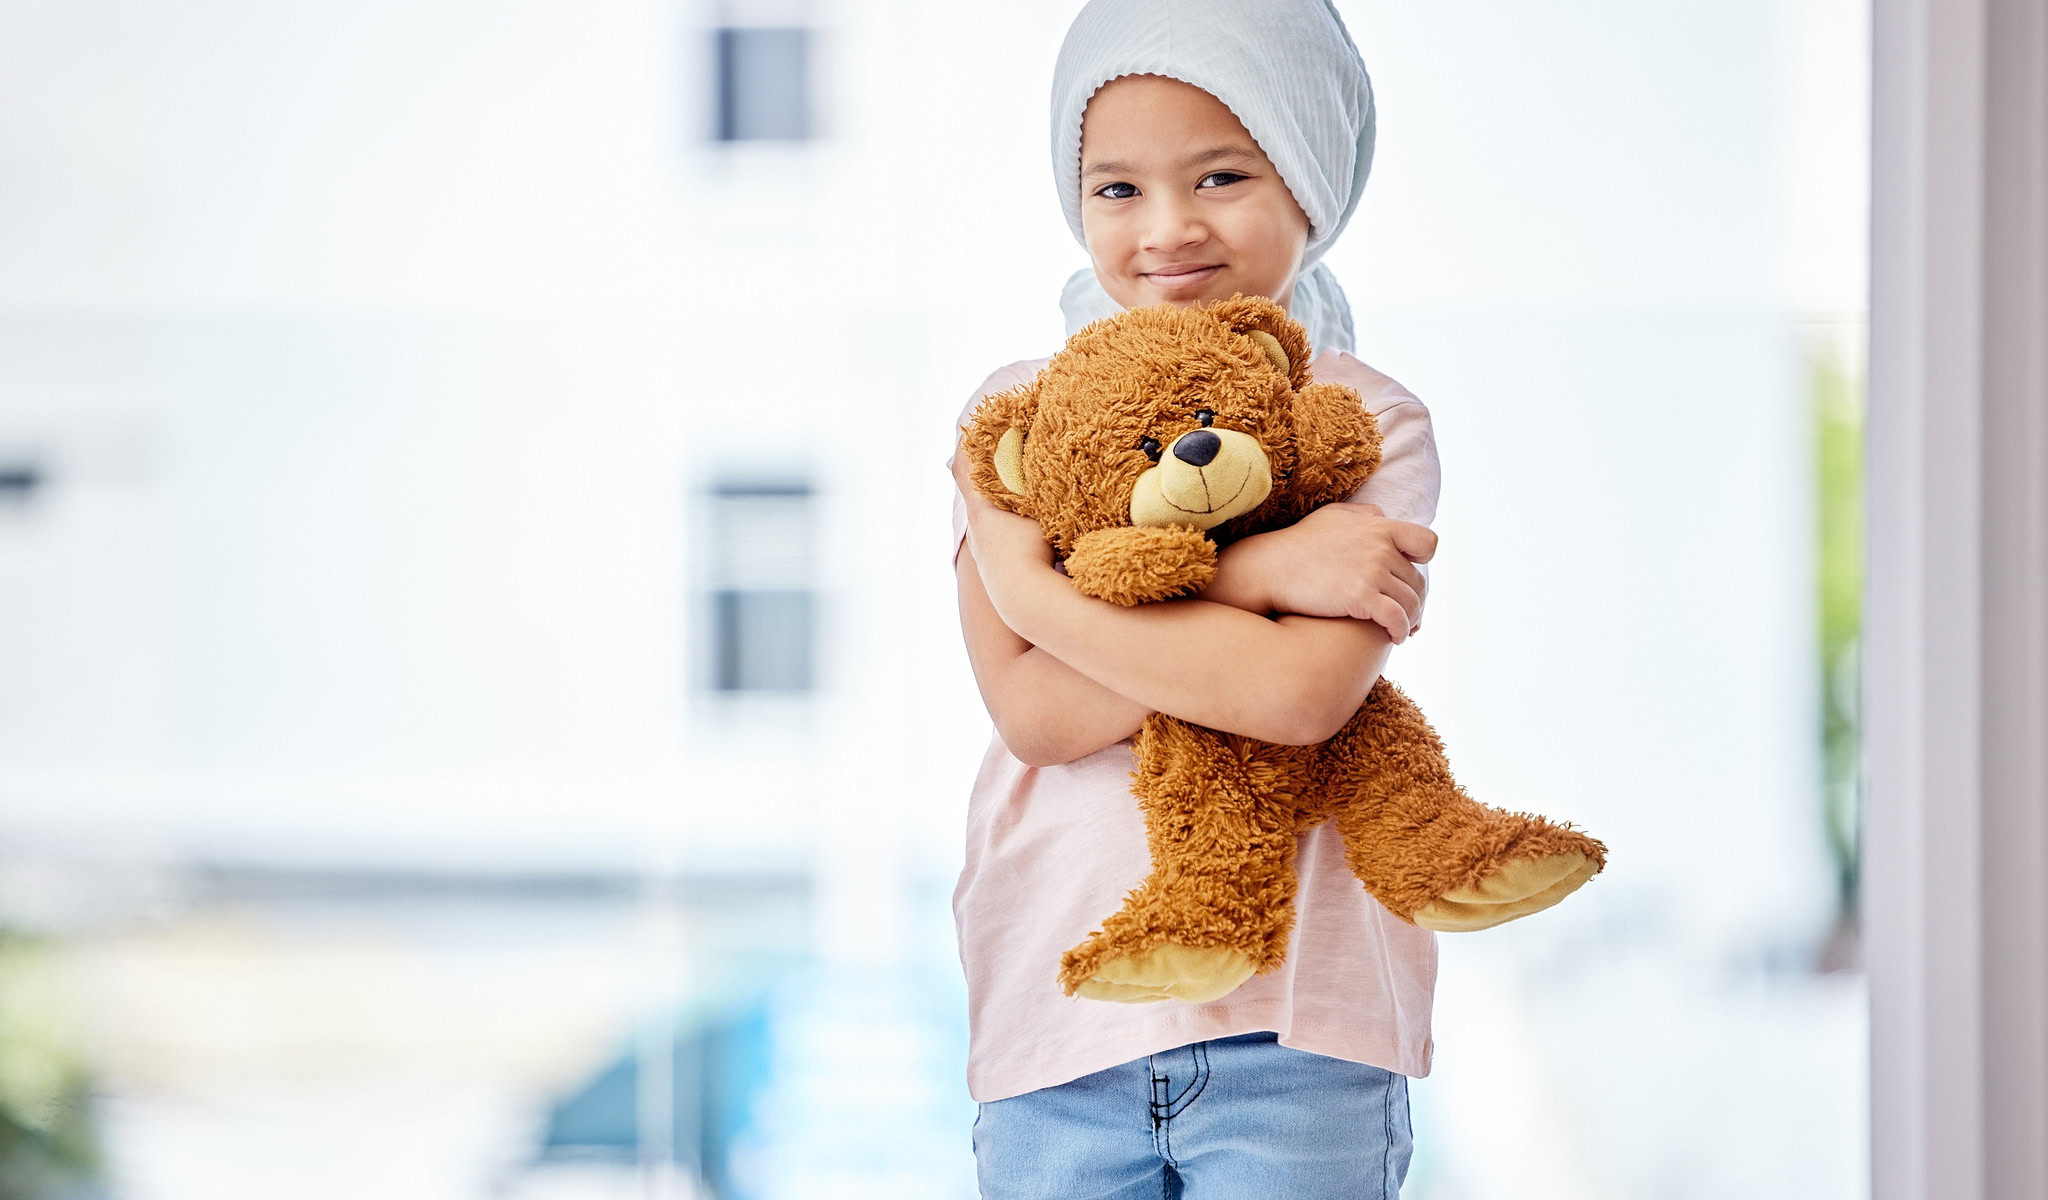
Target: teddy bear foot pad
point(1190, 974)
point(1516, 890)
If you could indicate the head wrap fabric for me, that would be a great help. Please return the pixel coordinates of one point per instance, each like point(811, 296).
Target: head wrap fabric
point(1286, 68)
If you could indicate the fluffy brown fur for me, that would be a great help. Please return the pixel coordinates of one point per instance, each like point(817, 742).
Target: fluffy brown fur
point(1223, 813)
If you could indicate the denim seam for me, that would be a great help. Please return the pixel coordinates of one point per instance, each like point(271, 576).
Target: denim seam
point(1387, 1146)
point(1159, 1145)
point(1194, 1059)
point(1193, 1091)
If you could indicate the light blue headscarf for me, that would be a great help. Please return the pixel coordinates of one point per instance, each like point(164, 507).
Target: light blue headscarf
point(1286, 68)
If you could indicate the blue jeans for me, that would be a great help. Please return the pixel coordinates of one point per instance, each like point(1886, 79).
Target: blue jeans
point(1229, 1119)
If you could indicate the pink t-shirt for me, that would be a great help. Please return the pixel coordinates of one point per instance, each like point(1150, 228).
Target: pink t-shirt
point(1052, 851)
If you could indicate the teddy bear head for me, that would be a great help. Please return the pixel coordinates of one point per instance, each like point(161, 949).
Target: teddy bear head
point(1159, 433)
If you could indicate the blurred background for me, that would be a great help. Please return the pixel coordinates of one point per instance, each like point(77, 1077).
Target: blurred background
point(482, 712)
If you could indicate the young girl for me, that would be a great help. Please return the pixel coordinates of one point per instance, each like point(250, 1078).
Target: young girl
point(1201, 148)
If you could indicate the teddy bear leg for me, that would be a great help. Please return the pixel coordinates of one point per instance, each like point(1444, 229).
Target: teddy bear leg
point(1218, 905)
point(1429, 852)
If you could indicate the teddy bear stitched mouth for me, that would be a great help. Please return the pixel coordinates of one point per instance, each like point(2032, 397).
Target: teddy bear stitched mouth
point(1203, 512)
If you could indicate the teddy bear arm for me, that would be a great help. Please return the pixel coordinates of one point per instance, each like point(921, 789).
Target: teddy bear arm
point(1138, 564)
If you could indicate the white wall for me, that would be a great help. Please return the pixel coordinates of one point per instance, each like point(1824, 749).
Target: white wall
point(379, 349)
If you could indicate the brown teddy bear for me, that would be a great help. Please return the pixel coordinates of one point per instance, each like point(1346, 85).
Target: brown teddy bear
point(1151, 438)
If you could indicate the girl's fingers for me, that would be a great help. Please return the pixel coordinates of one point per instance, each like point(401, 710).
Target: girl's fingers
point(963, 474)
point(977, 504)
point(1418, 542)
point(1392, 619)
point(1407, 598)
point(1408, 573)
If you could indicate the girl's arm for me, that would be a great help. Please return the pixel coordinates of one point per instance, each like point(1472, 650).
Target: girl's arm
point(1045, 711)
point(1295, 680)
point(1048, 713)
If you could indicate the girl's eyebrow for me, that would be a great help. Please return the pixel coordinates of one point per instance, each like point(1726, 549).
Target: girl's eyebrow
point(1193, 160)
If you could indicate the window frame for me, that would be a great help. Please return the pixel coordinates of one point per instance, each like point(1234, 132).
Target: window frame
point(1955, 691)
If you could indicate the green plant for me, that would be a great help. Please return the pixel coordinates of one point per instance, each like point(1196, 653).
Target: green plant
point(48, 1144)
point(1836, 389)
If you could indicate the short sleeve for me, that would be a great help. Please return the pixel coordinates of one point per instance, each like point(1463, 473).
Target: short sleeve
point(1406, 484)
point(1001, 380)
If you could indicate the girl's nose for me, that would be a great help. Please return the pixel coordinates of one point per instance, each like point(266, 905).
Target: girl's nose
point(1173, 223)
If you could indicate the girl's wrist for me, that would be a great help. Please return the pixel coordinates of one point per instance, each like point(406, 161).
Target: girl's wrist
point(1244, 573)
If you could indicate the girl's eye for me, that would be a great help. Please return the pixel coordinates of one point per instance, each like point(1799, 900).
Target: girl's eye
point(1151, 448)
point(1228, 177)
point(1206, 417)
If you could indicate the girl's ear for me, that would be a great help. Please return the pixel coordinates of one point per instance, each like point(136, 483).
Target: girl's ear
point(1279, 337)
point(993, 440)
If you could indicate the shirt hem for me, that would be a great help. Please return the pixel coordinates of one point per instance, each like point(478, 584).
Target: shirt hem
point(1368, 1044)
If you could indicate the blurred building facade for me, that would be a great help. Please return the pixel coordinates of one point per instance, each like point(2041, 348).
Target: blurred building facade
point(500, 446)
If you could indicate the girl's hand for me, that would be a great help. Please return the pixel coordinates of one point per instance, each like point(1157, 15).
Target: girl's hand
point(1348, 560)
point(1005, 545)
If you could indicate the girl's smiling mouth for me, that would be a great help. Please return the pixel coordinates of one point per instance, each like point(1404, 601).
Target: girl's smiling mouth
point(1184, 281)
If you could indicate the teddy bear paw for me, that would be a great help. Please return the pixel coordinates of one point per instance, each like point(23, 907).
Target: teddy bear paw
point(1521, 887)
point(1169, 971)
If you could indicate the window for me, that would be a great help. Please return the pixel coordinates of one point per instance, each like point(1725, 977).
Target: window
point(763, 75)
point(20, 480)
point(759, 585)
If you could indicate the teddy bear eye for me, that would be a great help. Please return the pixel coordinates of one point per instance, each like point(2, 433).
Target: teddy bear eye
point(1206, 417)
point(1150, 447)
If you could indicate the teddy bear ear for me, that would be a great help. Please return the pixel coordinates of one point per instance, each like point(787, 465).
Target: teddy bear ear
point(1274, 352)
point(993, 440)
point(1009, 459)
point(1337, 447)
point(1278, 336)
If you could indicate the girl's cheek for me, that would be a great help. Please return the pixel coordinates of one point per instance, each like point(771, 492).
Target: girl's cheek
point(1107, 245)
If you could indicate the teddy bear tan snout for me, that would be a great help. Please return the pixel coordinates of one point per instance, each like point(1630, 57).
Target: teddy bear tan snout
point(1205, 478)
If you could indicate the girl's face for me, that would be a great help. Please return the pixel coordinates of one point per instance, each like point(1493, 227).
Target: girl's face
point(1178, 203)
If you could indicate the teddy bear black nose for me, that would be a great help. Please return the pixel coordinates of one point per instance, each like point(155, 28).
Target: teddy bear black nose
point(1197, 449)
